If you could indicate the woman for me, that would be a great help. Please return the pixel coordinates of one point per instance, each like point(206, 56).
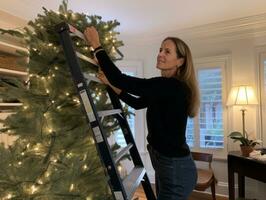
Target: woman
point(170, 100)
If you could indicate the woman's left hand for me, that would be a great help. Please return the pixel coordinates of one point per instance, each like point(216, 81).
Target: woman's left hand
point(104, 80)
point(102, 77)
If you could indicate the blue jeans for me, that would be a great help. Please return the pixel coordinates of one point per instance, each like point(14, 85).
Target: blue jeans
point(175, 178)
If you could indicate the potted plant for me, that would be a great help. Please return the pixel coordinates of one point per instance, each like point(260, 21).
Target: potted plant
point(247, 145)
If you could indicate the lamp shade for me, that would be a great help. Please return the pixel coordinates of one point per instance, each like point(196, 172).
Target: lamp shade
point(242, 95)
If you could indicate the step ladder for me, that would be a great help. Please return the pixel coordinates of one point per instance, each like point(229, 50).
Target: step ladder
point(122, 189)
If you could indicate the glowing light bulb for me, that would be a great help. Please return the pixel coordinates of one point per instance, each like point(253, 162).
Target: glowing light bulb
point(47, 174)
point(8, 196)
point(19, 163)
point(40, 181)
point(50, 130)
point(25, 107)
point(47, 91)
point(67, 94)
point(33, 189)
point(119, 168)
point(69, 155)
point(53, 101)
point(71, 188)
point(113, 50)
point(85, 167)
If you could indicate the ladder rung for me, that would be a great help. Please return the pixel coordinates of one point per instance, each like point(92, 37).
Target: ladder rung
point(86, 58)
point(75, 32)
point(92, 78)
point(122, 152)
point(132, 181)
point(109, 112)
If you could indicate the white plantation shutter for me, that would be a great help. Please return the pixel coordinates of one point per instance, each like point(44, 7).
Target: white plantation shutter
point(211, 110)
point(206, 130)
point(263, 95)
point(190, 132)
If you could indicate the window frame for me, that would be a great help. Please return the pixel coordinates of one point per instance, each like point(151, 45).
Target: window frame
point(223, 61)
point(261, 57)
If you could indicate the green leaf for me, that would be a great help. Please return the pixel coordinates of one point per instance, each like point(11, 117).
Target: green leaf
point(235, 134)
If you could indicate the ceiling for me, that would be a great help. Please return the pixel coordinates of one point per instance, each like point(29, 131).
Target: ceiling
point(143, 18)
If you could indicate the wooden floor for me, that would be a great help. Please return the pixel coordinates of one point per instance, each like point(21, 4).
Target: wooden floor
point(140, 195)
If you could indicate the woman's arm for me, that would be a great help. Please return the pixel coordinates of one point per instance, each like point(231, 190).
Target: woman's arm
point(134, 102)
point(136, 86)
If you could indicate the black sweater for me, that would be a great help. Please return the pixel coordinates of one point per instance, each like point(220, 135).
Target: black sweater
point(166, 100)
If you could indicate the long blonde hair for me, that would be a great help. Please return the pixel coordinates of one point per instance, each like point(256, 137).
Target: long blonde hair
point(187, 74)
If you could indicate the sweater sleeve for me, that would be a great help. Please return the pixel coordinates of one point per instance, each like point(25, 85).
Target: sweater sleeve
point(133, 85)
point(134, 102)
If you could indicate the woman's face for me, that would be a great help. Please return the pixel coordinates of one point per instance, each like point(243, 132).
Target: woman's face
point(167, 57)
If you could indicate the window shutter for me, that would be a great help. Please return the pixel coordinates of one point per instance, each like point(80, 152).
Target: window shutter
point(211, 110)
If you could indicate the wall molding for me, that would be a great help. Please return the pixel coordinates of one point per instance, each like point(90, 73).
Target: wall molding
point(235, 29)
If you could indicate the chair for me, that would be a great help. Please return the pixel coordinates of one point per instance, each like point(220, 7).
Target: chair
point(206, 177)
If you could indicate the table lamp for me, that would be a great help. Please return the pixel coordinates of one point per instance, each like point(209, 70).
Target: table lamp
point(242, 95)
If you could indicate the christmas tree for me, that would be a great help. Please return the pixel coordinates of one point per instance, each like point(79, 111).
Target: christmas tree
point(54, 155)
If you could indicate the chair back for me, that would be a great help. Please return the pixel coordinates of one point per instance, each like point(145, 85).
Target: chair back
point(204, 157)
point(206, 177)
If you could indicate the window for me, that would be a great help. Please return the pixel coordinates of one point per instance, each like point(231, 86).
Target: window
point(211, 111)
point(262, 75)
point(119, 138)
point(136, 121)
point(206, 131)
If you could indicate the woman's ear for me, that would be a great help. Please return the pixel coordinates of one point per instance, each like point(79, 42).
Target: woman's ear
point(180, 62)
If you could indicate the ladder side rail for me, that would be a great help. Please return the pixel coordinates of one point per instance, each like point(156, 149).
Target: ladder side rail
point(125, 129)
point(130, 139)
point(102, 143)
